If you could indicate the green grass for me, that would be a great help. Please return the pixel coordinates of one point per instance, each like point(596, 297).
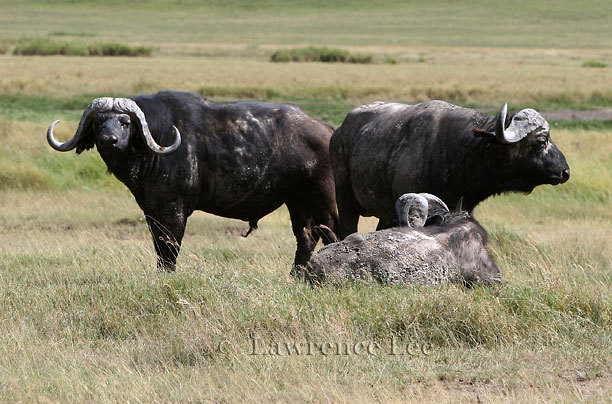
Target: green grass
point(39, 169)
point(327, 103)
point(72, 34)
point(446, 23)
point(42, 107)
point(584, 125)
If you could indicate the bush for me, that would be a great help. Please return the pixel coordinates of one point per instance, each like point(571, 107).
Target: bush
point(331, 55)
point(46, 47)
point(594, 63)
point(117, 49)
point(391, 61)
point(324, 54)
point(363, 58)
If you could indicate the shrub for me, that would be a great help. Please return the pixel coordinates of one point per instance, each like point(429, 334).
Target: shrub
point(594, 63)
point(391, 61)
point(363, 58)
point(315, 54)
point(117, 49)
point(281, 56)
point(46, 47)
point(331, 55)
point(67, 33)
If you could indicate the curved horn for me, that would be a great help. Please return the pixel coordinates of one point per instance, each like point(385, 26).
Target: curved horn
point(522, 124)
point(436, 206)
point(126, 105)
point(412, 210)
point(500, 124)
point(97, 105)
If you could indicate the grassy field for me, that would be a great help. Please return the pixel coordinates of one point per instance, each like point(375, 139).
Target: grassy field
point(524, 24)
point(85, 317)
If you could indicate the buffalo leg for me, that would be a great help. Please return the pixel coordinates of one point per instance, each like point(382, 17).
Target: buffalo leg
point(302, 229)
point(324, 212)
point(348, 210)
point(167, 235)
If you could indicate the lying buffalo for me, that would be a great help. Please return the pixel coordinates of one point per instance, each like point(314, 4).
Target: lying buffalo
point(384, 150)
point(240, 160)
point(453, 248)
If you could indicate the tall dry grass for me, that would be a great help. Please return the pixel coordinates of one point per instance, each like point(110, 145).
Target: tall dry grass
point(87, 318)
point(533, 82)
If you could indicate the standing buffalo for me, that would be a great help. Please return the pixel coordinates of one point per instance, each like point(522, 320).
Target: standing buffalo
point(430, 246)
point(384, 150)
point(240, 160)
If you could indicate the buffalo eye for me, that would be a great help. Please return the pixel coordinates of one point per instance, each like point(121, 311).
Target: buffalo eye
point(124, 121)
point(542, 142)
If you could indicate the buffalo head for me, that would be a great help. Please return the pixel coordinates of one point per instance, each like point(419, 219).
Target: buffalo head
point(110, 124)
point(526, 156)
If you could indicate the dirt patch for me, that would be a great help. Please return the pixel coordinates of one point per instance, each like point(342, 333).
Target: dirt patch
point(600, 114)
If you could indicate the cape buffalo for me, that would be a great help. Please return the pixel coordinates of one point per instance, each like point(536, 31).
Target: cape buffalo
point(239, 160)
point(384, 150)
point(453, 248)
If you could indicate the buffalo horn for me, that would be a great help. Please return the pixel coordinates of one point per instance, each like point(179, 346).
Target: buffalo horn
point(97, 105)
point(125, 105)
point(435, 205)
point(413, 210)
point(526, 121)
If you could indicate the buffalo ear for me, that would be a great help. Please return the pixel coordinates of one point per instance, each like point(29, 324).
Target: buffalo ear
point(86, 141)
point(482, 133)
point(459, 207)
point(326, 234)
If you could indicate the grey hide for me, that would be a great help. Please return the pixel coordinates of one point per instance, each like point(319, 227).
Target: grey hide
point(454, 250)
